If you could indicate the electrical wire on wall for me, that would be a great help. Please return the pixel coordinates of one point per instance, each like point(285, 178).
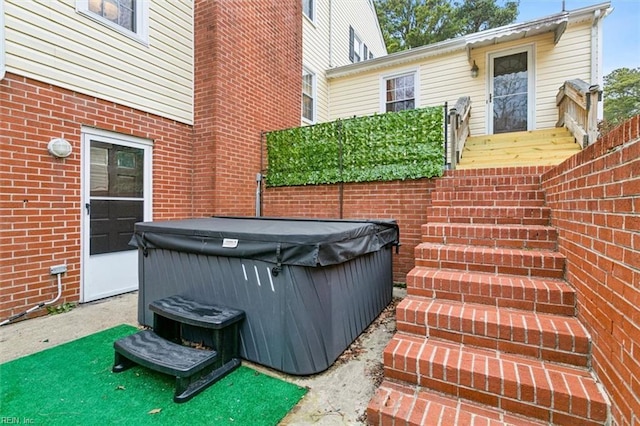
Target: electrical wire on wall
point(55, 270)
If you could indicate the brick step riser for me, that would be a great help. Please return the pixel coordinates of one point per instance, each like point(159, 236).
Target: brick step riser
point(536, 238)
point(483, 180)
point(397, 404)
point(561, 339)
point(517, 172)
point(532, 388)
point(534, 193)
point(503, 212)
point(496, 261)
point(487, 203)
point(491, 242)
point(454, 186)
point(549, 296)
point(490, 220)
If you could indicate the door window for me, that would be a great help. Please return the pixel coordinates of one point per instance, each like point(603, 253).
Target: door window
point(510, 93)
point(116, 196)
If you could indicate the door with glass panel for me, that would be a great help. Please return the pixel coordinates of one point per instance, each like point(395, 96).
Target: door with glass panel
point(510, 92)
point(116, 196)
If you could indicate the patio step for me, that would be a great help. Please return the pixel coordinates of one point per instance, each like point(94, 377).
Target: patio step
point(557, 394)
point(394, 403)
point(528, 293)
point(547, 337)
point(178, 320)
point(535, 237)
point(528, 263)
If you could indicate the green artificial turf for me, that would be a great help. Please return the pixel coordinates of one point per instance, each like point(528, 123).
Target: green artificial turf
point(72, 384)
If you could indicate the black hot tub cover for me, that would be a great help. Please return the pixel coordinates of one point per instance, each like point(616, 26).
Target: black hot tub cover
point(300, 242)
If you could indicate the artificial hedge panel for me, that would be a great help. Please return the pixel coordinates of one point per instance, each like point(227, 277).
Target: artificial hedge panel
point(401, 145)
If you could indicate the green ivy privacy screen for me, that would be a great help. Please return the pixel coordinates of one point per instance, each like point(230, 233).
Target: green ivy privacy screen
point(401, 145)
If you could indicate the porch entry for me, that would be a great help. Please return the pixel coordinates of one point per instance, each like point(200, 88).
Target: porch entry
point(116, 191)
point(511, 88)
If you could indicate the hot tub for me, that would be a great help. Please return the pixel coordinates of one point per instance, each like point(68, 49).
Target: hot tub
point(308, 287)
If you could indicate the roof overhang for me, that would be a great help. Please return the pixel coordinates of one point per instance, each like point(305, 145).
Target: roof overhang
point(556, 24)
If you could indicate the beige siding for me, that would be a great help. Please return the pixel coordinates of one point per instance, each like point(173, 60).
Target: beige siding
point(51, 42)
point(315, 54)
point(446, 77)
point(360, 15)
point(325, 42)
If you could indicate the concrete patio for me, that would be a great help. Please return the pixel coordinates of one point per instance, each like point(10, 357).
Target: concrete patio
point(338, 396)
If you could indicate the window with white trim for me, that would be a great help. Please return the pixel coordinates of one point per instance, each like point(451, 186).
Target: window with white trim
point(358, 51)
point(399, 92)
point(308, 96)
point(130, 17)
point(308, 8)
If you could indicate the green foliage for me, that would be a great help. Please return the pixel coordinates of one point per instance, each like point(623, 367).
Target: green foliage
point(403, 145)
point(621, 95)
point(60, 309)
point(407, 24)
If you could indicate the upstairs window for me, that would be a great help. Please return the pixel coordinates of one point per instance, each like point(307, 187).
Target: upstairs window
point(308, 8)
point(130, 17)
point(358, 51)
point(399, 92)
point(308, 96)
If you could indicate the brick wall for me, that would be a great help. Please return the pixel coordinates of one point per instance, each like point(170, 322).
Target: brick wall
point(595, 201)
point(404, 201)
point(248, 68)
point(40, 199)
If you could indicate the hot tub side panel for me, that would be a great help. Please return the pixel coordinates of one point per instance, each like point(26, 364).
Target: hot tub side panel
point(298, 322)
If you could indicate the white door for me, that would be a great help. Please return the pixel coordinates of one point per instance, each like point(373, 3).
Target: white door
point(511, 89)
point(116, 190)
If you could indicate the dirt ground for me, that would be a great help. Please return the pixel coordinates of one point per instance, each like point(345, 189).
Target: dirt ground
point(338, 396)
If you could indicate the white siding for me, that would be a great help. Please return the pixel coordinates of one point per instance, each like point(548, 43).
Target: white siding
point(50, 42)
point(446, 77)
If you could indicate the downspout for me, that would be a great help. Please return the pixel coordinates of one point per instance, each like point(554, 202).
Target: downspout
point(597, 77)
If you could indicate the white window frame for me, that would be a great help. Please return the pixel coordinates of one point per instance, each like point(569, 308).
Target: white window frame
point(311, 18)
point(314, 87)
point(141, 34)
point(359, 52)
point(416, 87)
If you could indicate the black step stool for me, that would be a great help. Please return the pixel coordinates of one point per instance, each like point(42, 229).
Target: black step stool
point(175, 319)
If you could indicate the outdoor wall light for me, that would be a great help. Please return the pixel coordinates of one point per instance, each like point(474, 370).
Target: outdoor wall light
point(474, 70)
point(59, 147)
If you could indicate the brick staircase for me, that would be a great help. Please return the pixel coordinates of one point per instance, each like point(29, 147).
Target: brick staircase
point(487, 333)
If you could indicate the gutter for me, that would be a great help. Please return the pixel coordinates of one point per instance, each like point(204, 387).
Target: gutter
point(460, 43)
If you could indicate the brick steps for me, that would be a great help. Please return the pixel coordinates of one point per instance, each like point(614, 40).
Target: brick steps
point(541, 390)
point(488, 322)
point(404, 405)
point(529, 263)
point(507, 236)
point(544, 336)
point(502, 215)
point(534, 294)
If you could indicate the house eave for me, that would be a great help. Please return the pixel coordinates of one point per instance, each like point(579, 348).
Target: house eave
point(553, 23)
